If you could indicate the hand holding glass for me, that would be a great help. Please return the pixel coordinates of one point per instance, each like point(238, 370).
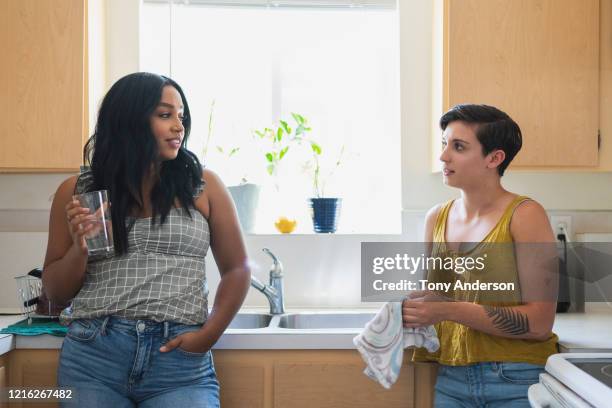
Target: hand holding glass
point(99, 238)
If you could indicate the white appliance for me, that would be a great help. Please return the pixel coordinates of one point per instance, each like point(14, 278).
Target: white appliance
point(574, 380)
point(601, 290)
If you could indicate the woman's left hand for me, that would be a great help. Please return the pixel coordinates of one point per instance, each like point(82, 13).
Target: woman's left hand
point(425, 308)
point(193, 342)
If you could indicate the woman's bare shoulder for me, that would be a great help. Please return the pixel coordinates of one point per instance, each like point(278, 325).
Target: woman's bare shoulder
point(66, 189)
point(433, 212)
point(430, 220)
point(529, 211)
point(211, 178)
point(213, 187)
point(530, 223)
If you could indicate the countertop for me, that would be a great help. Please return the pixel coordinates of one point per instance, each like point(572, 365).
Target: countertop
point(585, 332)
point(578, 332)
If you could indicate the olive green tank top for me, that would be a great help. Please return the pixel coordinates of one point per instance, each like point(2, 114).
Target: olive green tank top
point(462, 345)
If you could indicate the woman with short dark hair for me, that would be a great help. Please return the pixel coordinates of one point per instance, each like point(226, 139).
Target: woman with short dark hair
point(493, 343)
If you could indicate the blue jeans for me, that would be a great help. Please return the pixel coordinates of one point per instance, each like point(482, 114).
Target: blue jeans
point(115, 362)
point(490, 385)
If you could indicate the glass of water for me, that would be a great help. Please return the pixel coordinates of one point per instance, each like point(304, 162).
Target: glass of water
point(100, 238)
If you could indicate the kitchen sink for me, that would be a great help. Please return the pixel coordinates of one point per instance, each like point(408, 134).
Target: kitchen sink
point(302, 320)
point(324, 320)
point(250, 321)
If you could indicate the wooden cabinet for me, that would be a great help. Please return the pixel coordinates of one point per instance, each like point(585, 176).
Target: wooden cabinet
point(3, 375)
point(35, 368)
point(315, 378)
point(270, 379)
point(3, 371)
point(605, 88)
point(43, 79)
point(539, 61)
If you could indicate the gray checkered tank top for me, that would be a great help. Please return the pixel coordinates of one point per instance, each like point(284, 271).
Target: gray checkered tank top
point(162, 277)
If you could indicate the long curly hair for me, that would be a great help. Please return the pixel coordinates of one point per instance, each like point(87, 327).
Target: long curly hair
point(123, 149)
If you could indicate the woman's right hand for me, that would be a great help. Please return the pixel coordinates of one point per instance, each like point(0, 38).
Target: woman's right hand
point(79, 224)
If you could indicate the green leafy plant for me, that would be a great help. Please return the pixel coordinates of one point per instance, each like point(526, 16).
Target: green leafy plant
point(319, 181)
point(314, 165)
point(279, 139)
point(230, 153)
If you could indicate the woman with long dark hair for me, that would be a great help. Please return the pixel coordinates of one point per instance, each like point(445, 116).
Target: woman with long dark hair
point(140, 333)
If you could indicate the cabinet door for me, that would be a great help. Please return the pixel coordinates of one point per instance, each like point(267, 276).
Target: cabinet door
point(35, 368)
point(336, 380)
point(3, 373)
point(538, 60)
point(605, 85)
point(242, 376)
point(42, 77)
point(310, 378)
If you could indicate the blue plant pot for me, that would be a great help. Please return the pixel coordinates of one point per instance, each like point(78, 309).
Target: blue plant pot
point(325, 213)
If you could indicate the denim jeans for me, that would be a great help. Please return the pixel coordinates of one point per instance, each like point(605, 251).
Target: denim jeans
point(490, 385)
point(115, 362)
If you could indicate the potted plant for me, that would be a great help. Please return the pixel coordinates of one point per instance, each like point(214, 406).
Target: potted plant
point(278, 140)
point(325, 211)
point(245, 195)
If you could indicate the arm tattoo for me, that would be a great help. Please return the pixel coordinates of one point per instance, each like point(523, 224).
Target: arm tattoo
point(508, 320)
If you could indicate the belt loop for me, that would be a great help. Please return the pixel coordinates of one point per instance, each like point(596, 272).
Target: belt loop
point(104, 323)
point(494, 366)
point(166, 329)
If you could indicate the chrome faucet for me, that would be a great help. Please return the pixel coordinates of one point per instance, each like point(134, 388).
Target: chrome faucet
point(273, 291)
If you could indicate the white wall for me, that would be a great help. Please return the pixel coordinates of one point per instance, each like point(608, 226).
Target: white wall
point(122, 37)
point(320, 270)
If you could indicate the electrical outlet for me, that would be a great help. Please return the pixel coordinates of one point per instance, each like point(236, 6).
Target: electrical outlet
point(559, 221)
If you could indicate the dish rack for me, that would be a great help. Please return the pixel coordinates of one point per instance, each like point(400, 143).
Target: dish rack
point(28, 292)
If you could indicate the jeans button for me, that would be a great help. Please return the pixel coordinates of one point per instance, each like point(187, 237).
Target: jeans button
point(140, 326)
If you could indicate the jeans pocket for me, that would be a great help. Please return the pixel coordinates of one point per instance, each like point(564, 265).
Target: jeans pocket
point(183, 329)
point(83, 330)
point(520, 373)
point(191, 353)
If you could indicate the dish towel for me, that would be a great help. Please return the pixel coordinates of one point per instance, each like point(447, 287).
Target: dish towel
point(38, 326)
point(383, 340)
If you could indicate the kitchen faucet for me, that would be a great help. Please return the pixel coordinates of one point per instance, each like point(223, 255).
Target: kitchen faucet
point(273, 291)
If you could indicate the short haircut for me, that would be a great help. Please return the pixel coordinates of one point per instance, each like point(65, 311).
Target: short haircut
point(495, 130)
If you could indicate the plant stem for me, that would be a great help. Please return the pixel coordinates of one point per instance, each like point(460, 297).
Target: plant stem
point(333, 170)
point(210, 128)
point(317, 171)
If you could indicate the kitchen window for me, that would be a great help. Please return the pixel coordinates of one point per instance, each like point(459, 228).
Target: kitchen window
point(248, 64)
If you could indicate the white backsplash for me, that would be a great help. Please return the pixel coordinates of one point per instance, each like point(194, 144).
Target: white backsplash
point(320, 270)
